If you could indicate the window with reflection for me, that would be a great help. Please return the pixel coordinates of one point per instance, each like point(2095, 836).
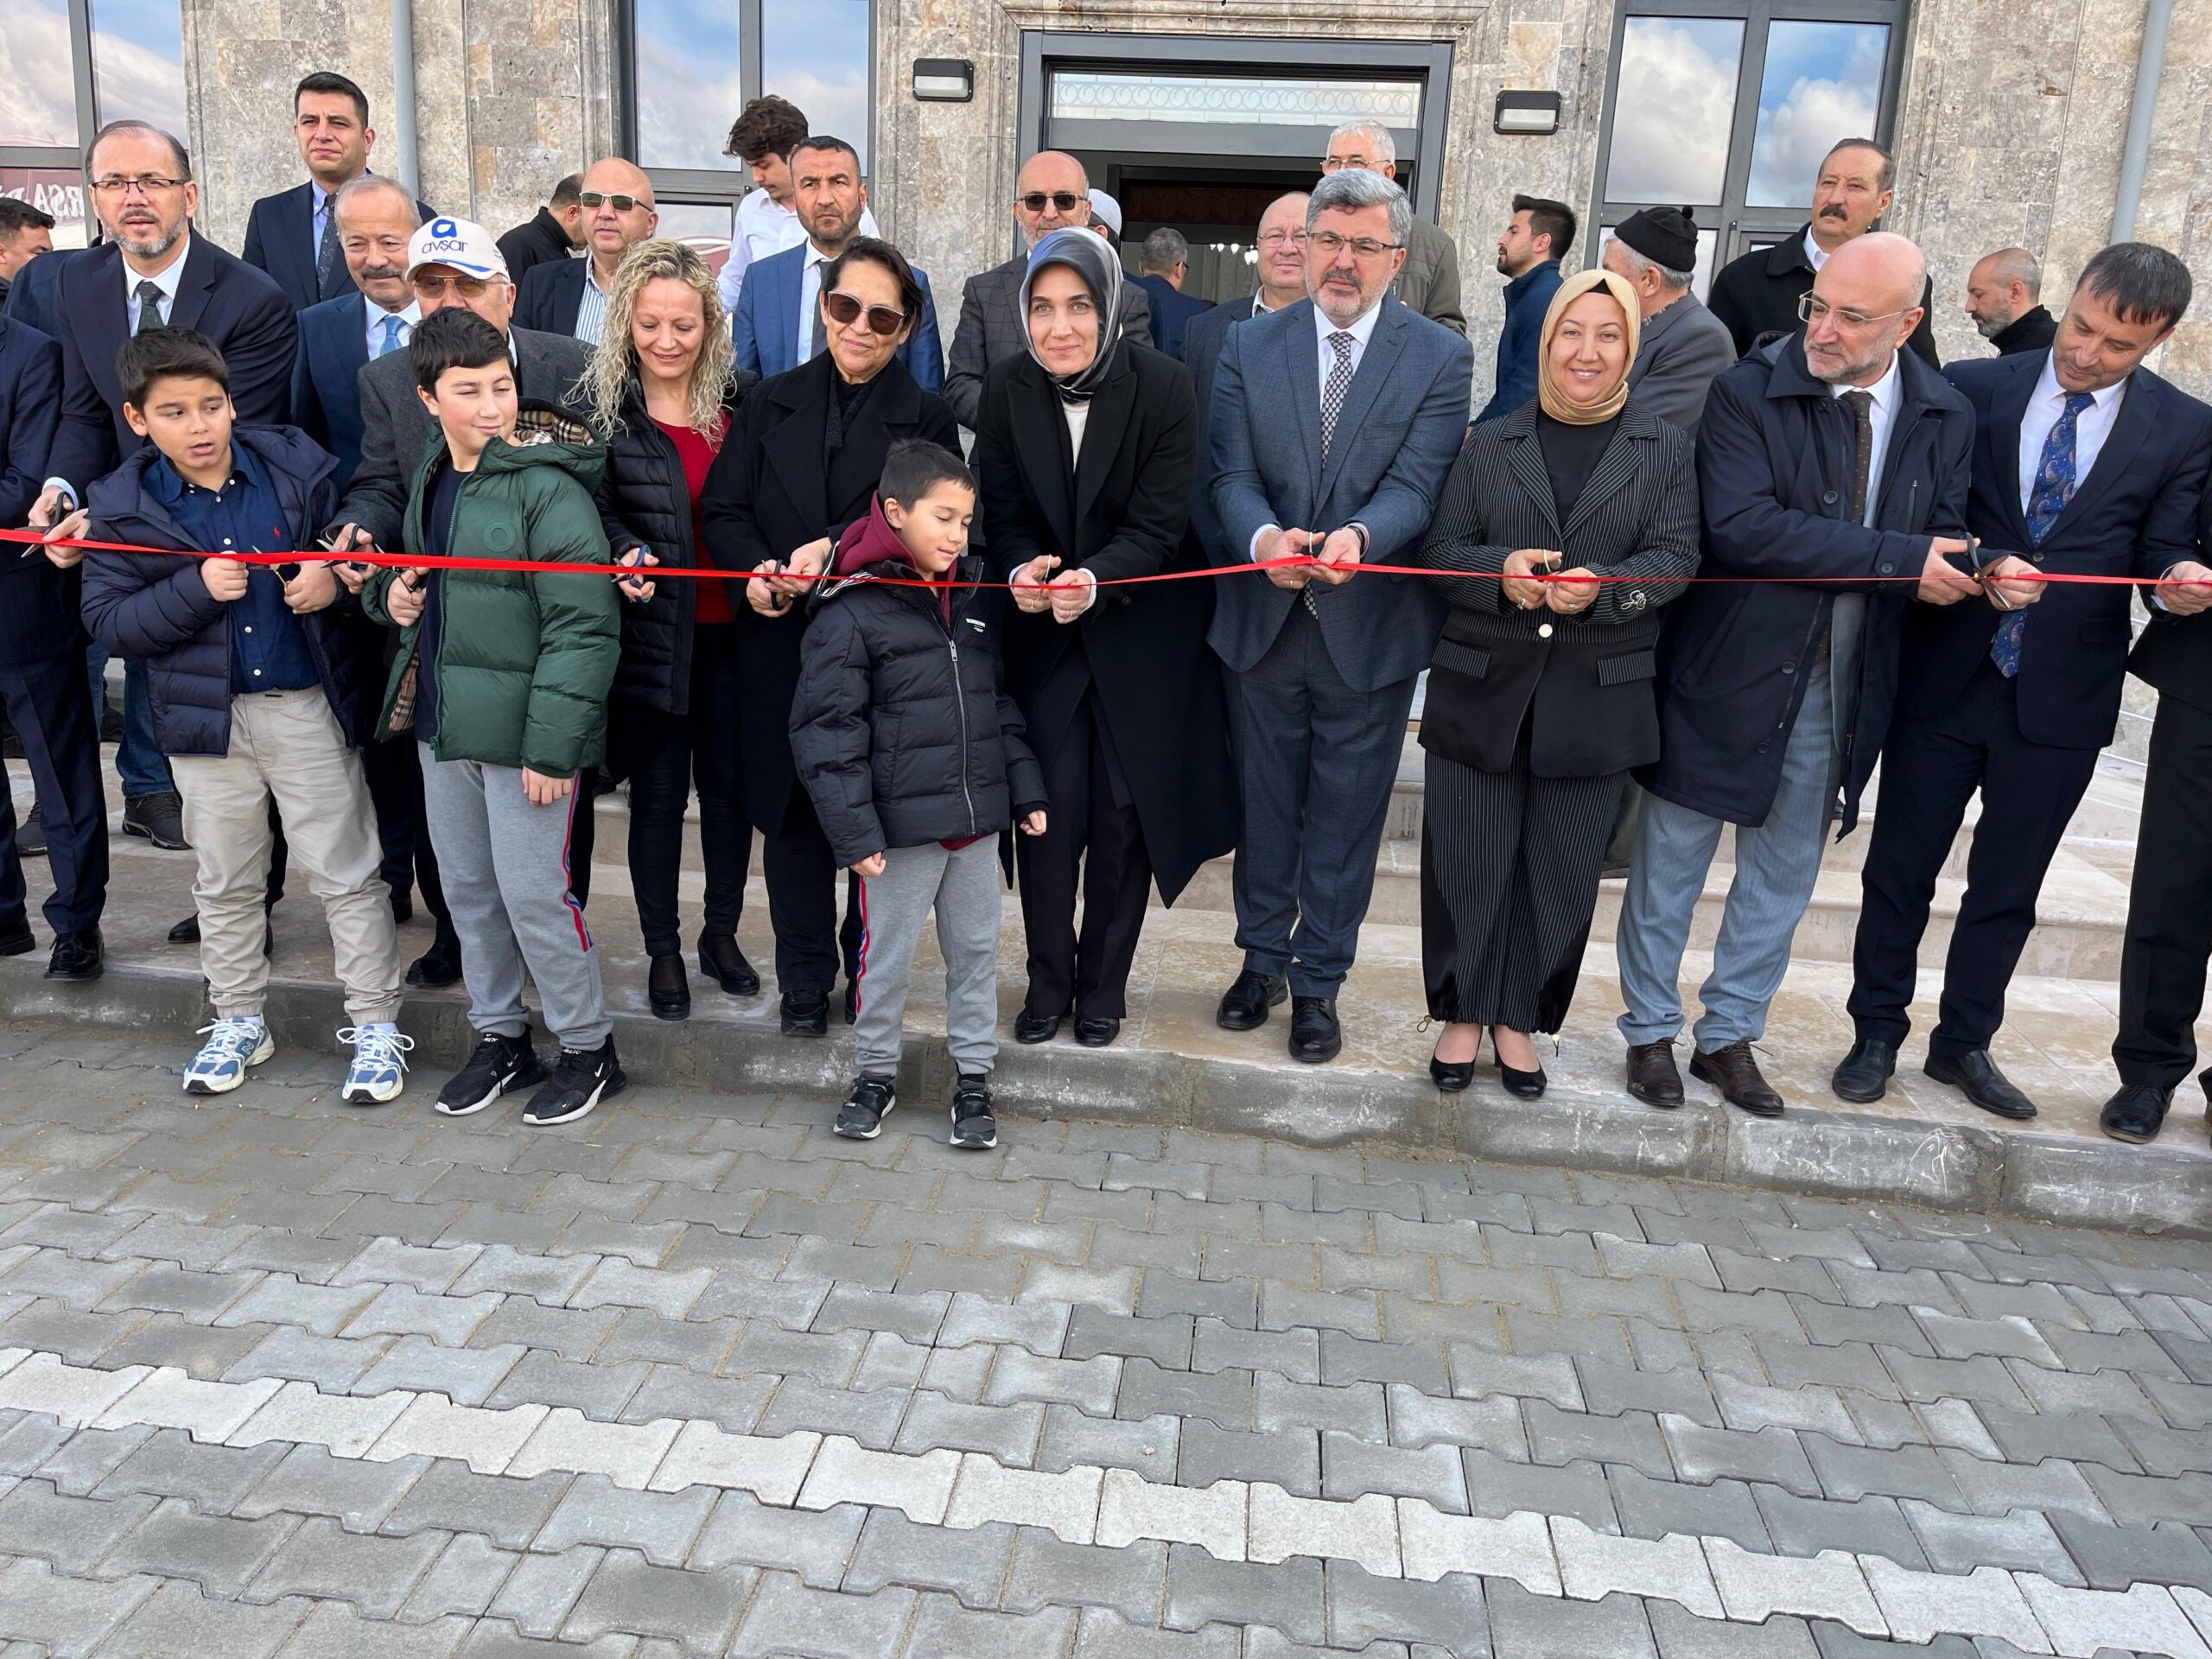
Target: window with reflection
point(694, 64)
point(1726, 107)
point(138, 62)
point(38, 81)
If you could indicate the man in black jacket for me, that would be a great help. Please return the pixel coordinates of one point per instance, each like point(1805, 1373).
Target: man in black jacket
point(2002, 293)
point(2087, 464)
point(556, 234)
point(1757, 295)
point(1831, 468)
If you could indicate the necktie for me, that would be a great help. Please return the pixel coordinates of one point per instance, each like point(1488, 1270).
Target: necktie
point(1332, 404)
point(330, 269)
point(149, 307)
point(820, 330)
point(1861, 405)
point(391, 342)
point(2047, 497)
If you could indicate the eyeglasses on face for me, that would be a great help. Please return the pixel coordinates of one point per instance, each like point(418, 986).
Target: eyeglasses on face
point(618, 202)
point(151, 184)
point(1811, 308)
point(431, 283)
point(1282, 240)
point(1363, 247)
point(1339, 163)
point(845, 310)
point(1063, 200)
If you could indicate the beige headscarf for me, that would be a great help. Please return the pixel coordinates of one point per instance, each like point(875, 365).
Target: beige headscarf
point(1554, 403)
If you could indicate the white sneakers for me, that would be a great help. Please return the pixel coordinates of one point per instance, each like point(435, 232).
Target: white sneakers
point(378, 1073)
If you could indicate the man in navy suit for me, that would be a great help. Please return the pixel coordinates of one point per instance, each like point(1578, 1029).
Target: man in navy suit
point(1162, 264)
point(777, 324)
point(151, 270)
point(2084, 463)
point(568, 296)
point(293, 234)
point(340, 338)
point(1334, 423)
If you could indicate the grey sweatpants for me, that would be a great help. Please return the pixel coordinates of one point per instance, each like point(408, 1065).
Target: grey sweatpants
point(964, 887)
point(505, 866)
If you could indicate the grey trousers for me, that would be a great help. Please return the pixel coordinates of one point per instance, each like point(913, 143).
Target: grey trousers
point(1776, 864)
point(505, 866)
point(963, 889)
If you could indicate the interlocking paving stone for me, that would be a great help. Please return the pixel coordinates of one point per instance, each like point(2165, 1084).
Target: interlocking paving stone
point(787, 1615)
point(448, 1498)
point(69, 1616)
point(969, 1564)
point(310, 1481)
point(663, 1526)
point(1202, 1590)
point(1048, 1573)
point(374, 1574)
point(462, 1581)
point(179, 1618)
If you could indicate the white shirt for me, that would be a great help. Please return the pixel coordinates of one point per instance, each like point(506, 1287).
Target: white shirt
point(168, 279)
point(2091, 426)
point(809, 291)
point(408, 318)
point(1078, 417)
point(764, 226)
point(1814, 251)
point(591, 311)
point(1362, 329)
point(1883, 415)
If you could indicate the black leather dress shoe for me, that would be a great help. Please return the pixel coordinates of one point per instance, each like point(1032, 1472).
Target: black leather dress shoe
point(806, 1014)
point(720, 961)
point(1863, 1075)
point(1244, 1005)
point(2135, 1112)
point(1036, 1027)
point(1735, 1071)
point(1653, 1076)
point(1451, 1076)
point(76, 955)
point(16, 939)
point(1974, 1075)
point(185, 931)
point(1095, 1032)
point(1315, 1037)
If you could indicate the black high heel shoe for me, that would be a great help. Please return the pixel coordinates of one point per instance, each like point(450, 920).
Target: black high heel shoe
point(667, 988)
point(720, 961)
point(1521, 1085)
point(1451, 1076)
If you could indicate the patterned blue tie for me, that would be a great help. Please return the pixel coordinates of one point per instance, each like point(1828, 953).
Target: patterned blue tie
point(391, 341)
point(2047, 498)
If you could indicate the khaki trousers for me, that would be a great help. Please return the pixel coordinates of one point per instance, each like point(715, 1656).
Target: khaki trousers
point(288, 745)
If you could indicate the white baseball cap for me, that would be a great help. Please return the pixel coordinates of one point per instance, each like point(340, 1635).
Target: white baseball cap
point(462, 243)
point(1106, 211)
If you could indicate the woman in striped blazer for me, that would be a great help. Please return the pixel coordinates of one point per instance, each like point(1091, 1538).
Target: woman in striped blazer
point(1541, 695)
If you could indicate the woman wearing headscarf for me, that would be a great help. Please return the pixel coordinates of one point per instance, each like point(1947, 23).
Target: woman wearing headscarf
point(1085, 455)
point(1568, 523)
point(800, 465)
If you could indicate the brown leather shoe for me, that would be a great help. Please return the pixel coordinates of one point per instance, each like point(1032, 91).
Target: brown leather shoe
point(1736, 1075)
point(1652, 1077)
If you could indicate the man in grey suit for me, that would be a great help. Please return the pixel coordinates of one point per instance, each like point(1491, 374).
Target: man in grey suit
point(1051, 193)
point(1334, 422)
point(1683, 346)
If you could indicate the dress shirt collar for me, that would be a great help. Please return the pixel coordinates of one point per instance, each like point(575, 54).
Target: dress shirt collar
point(169, 279)
point(2049, 395)
point(1362, 329)
point(169, 487)
point(409, 317)
point(1886, 390)
point(1815, 255)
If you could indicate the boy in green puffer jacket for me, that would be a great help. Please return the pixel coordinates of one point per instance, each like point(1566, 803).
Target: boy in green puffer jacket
point(502, 678)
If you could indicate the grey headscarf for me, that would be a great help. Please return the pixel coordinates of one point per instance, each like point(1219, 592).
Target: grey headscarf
point(1086, 253)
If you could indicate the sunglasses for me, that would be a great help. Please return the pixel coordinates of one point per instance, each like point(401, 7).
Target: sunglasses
point(620, 204)
point(845, 310)
point(1063, 200)
point(430, 286)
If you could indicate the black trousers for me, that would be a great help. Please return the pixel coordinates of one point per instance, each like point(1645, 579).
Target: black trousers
point(665, 754)
point(2169, 904)
point(1930, 770)
point(802, 876)
point(1092, 844)
point(51, 708)
point(394, 771)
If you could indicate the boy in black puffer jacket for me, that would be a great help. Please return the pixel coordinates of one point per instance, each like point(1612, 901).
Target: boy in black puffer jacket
point(913, 756)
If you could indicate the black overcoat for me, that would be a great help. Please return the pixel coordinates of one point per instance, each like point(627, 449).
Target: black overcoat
point(1120, 511)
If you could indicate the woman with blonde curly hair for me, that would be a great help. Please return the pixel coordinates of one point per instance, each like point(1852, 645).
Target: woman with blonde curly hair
point(663, 385)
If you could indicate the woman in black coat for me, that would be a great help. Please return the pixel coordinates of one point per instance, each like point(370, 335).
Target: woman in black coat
point(1541, 695)
point(799, 465)
point(1085, 458)
point(663, 386)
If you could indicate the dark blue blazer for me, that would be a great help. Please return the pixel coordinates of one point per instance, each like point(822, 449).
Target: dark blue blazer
point(280, 240)
point(550, 294)
point(1173, 311)
point(326, 393)
point(244, 313)
point(2134, 514)
point(1774, 469)
point(32, 297)
point(765, 328)
point(38, 603)
point(1202, 341)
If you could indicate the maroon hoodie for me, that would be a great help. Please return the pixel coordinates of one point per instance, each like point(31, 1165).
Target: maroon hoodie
point(871, 541)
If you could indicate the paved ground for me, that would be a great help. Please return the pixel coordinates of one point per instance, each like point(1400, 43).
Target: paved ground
point(694, 1376)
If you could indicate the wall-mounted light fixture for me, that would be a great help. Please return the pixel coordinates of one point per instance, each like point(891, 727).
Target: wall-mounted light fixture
point(945, 80)
point(1526, 113)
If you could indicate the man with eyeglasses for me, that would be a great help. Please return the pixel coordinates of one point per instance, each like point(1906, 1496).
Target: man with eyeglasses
point(568, 296)
point(777, 324)
point(1334, 423)
point(1051, 193)
point(1429, 282)
point(293, 234)
point(150, 271)
point(1832, 473)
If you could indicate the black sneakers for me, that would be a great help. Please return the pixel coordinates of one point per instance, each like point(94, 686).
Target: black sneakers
point(860, 1118)
point(581, 1079)
point(499, 1064)
point(973, 1126)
